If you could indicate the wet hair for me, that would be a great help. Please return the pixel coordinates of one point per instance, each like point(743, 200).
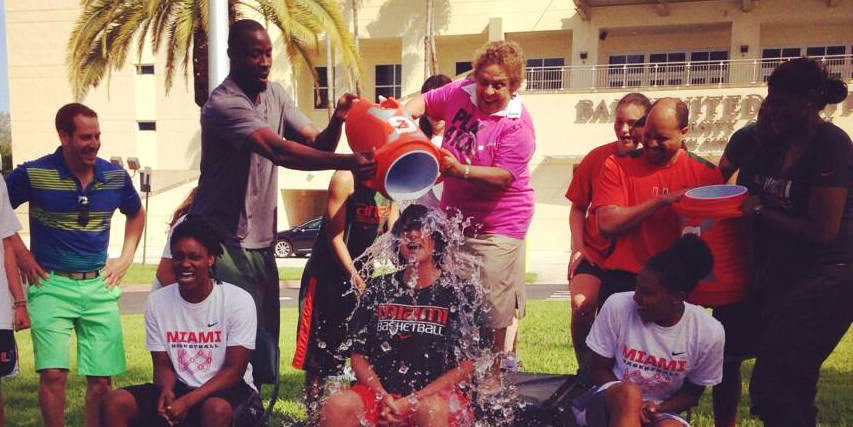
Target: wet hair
point(635, 98)
point(413, 218)
point(432, 82)
point(506, 54)
point(239, 29)
point(807, 77)
point(682, 112)
point(682, 265)
point(200, 229)
point(65, 116)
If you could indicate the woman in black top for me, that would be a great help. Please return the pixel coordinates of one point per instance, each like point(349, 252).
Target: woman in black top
point(415, 337)
point(799, 171)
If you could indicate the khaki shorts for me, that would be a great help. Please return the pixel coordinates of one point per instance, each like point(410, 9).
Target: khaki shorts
point(502, 275)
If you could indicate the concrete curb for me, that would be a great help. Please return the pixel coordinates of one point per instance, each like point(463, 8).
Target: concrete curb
point(146, 287)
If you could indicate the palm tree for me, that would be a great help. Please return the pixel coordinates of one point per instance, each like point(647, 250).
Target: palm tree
point(431, 63)
point(105, 33)
point(354, 4)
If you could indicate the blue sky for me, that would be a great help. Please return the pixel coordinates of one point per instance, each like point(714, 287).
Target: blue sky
point(4, 76)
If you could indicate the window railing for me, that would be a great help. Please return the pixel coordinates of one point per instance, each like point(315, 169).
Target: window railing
point(738, 72)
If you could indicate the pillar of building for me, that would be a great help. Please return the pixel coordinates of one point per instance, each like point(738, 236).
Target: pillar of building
point(745, 48)
point(496, 29)
point(584, 54)
point(413, 59)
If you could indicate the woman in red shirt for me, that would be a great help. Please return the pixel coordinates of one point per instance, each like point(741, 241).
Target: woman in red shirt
point(589, 247)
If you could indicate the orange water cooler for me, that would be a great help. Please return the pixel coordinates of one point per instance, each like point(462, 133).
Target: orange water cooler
point(407, 163)
point(713, 213)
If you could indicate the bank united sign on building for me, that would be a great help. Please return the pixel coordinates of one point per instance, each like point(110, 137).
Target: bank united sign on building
point(713, 117)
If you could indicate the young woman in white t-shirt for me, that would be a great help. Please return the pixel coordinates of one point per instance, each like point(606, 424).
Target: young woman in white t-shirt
point(200, 333)
point(652, 354)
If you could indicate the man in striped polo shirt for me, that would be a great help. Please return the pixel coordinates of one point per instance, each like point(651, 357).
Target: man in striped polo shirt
point(72, 195)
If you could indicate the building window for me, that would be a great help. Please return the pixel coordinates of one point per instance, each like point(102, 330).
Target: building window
point(771, 57)
point(625, 70)
point(545, 73)
point(777, 53)
point(389, 81)
point(709, 67)
point(667, 68)
point(463, 67)
point(147, 125)
point(831, 56)
point(321, 92)
point(821, 51)
point(145, 69)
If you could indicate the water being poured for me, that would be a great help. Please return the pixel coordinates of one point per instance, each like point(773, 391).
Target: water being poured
point(417, 328)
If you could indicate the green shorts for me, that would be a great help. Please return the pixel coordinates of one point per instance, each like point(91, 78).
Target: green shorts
point(86, 306)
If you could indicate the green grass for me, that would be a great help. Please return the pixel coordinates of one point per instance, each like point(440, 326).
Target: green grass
point(142, 274)
point(543, 346)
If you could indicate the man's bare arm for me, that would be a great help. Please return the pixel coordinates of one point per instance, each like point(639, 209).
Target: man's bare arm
point(615, 220)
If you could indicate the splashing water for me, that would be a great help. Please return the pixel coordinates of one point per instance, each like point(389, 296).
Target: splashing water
point(492, 406)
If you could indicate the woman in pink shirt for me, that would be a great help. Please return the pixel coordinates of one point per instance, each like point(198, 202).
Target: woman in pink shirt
point(488, 141)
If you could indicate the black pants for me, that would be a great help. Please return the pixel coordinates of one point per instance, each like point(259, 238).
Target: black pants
point(615, 281)
point(245, 404)
point(803, 328)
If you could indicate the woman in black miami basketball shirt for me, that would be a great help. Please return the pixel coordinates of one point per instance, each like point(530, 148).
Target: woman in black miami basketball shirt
point(415, 334)
point(354, 216)
point(799, 171)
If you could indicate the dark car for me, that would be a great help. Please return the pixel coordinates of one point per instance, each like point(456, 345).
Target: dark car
point(298, 240)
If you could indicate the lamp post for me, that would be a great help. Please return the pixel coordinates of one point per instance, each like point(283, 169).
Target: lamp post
point(145, 187)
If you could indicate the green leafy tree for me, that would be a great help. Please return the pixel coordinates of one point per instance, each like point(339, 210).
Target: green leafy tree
point(5, 141)
point(106, 31)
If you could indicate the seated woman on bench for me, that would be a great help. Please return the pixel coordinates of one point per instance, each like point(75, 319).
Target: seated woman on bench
point(652, 354)
point(200, 333)
point(411, 328)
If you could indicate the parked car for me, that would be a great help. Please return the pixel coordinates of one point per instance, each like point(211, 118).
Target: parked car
point(299, 240)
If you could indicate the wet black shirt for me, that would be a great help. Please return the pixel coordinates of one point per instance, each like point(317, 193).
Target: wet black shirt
point(827, 162)
point(411, 337)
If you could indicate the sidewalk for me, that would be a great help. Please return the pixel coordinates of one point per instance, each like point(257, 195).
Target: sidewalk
point(549, 266)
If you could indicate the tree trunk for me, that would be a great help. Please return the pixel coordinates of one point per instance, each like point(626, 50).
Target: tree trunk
point(330, 78)
point(200, 79)
point(355, 38)
point(431, 60)
point(200, 82)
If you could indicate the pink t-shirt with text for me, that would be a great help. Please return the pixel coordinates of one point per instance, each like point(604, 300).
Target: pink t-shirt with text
point(505, 139)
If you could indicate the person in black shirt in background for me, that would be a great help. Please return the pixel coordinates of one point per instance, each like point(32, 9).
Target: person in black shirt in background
point(354, 216)
point(799, 171)
point(414, 340)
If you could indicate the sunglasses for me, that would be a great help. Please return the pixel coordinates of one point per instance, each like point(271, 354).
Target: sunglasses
point(82, 210)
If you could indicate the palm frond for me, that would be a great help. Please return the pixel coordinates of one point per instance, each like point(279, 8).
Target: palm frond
point(107, 30)
point(328, 15)
point(100, 41)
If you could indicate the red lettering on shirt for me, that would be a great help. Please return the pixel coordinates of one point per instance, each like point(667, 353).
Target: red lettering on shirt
point(193, 336)
point(663, 363)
